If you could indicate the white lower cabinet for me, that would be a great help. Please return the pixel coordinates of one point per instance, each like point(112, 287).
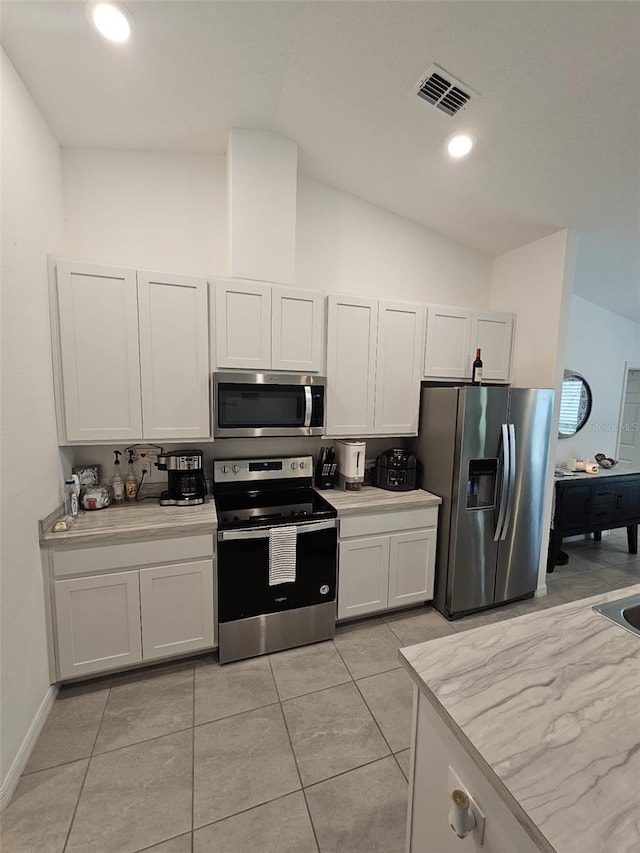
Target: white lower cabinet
point(380, 572)
point(176, 604)
point(98, 623)
point(115, 619)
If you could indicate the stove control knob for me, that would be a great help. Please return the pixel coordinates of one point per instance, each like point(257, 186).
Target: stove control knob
point(236, 469)
point(294, 465)
point(302, 464)
point(225, 469)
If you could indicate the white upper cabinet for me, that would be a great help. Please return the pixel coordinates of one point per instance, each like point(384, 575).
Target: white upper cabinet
point(399, 367)
point(454, 334)
point(243, 324)
point(492, 332)
point(297, 326)
point(448, 342)
point(99, 381)
point(132, 354)
point(264, 327)
point(174, 355)
point(351, 365)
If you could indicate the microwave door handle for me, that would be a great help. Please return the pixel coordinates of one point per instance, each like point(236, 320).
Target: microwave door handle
point(307, 406)
point(504, 491)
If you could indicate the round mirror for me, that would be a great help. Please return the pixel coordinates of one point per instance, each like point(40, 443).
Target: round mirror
point(575, 404)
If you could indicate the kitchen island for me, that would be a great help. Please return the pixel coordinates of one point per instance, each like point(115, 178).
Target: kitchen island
point(539, 718)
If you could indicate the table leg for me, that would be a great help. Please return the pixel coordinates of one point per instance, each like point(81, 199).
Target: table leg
point(554, 551)
point(632, 538)
point(597, 536)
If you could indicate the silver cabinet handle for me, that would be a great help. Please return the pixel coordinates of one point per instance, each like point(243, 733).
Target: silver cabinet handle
point(263, 532)
point(504, 493)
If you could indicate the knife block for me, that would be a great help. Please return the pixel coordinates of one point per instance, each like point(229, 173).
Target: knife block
point(324, 476)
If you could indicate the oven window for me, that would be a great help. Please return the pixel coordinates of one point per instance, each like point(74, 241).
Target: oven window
point(260, 405)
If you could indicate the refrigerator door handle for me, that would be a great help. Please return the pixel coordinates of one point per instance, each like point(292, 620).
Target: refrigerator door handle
point(504, 492)
point(512, 479)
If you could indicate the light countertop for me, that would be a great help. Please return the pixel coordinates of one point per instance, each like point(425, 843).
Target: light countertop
point(618, 470)
point(551, 702)
point(372, 499)
point(133, 521)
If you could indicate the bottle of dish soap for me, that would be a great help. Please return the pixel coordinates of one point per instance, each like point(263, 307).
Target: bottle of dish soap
point(117, 484)
point(131, 483)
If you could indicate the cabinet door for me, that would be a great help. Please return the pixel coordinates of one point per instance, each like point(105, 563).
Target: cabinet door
point(627, 502)
point(493, 333)
point(412, 562)
point(243, 325)
point(398, 368)
point(448, 343)
point(351, 365)
point(177, 609)
point(97, 623)
point(297, 325)
point(363, 576)
point(572, 506)
point(174, 355)
point(100, 363)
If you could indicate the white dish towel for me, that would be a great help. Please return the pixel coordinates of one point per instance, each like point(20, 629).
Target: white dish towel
point(282, 555)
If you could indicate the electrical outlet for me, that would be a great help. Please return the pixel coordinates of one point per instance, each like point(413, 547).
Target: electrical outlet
point(145, 456)
point(454, 782)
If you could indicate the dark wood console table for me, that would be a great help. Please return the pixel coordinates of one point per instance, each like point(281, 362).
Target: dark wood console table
point(591, 503)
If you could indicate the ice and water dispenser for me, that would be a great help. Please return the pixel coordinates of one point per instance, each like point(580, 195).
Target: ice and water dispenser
point(481, 483)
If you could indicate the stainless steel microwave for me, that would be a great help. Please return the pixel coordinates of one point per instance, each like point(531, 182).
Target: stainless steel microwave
point(267, 404)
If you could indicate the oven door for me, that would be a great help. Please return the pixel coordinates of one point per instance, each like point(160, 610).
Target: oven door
point(243, 571)
point(265, 404)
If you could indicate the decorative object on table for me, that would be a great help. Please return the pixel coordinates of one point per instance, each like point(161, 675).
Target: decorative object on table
point(325, 470)
point(591, 468)
point(96, 497)
point(88, 475)
point(605, 461)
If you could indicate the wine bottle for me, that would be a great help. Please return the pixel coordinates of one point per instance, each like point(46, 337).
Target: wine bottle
point(476, 375)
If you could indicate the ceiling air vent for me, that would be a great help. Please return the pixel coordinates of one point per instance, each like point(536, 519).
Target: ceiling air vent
point(444, 91)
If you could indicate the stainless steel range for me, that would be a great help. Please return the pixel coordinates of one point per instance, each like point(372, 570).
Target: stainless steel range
point(277, 557)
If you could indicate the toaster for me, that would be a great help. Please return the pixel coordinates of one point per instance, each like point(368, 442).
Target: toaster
point(397, 470)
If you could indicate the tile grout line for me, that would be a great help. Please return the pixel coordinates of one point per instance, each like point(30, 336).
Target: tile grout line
point(370, 711)
point(86, 772)
point(293, 752)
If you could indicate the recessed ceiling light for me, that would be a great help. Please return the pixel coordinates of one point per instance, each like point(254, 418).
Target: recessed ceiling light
point(460, 144)
point(111, 20)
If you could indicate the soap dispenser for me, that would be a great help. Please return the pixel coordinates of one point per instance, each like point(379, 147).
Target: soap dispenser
point(117, 484)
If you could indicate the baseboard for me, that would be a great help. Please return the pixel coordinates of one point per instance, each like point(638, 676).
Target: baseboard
point(541, 591)
point(10, 783)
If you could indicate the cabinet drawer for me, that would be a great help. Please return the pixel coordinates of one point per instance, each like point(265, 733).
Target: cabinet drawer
point(83, 561)
point(602, 495)
point(387, 522)
point(601, 514)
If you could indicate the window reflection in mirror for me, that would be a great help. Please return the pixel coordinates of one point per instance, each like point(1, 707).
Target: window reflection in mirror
point(575, 404)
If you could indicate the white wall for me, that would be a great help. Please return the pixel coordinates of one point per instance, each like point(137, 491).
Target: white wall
point(168, 212)
point(31, 470)
point(347, 245)
point(151, 210)
point(599, 343)
point(535, 282)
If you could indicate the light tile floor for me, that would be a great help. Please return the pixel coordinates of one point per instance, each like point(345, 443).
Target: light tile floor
point(298, 752)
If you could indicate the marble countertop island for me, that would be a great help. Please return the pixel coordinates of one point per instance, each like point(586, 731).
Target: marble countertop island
point(550, 703)
point(146, 519)
point(373, 499)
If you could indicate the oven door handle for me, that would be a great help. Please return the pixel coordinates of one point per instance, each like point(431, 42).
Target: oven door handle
point(307, 406)
point(263, 532)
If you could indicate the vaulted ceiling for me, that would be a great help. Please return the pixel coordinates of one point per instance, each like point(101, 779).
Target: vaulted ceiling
point(557, 120)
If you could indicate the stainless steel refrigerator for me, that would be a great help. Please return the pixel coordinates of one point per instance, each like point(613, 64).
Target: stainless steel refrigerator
point(484, 451)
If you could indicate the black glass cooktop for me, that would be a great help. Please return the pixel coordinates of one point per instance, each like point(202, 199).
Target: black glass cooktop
point(261, 508)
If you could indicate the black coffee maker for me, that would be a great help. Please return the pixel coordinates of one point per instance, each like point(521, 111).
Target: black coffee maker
point(187, 485)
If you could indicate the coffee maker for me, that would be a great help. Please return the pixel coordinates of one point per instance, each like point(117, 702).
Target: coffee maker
point(187, 485)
